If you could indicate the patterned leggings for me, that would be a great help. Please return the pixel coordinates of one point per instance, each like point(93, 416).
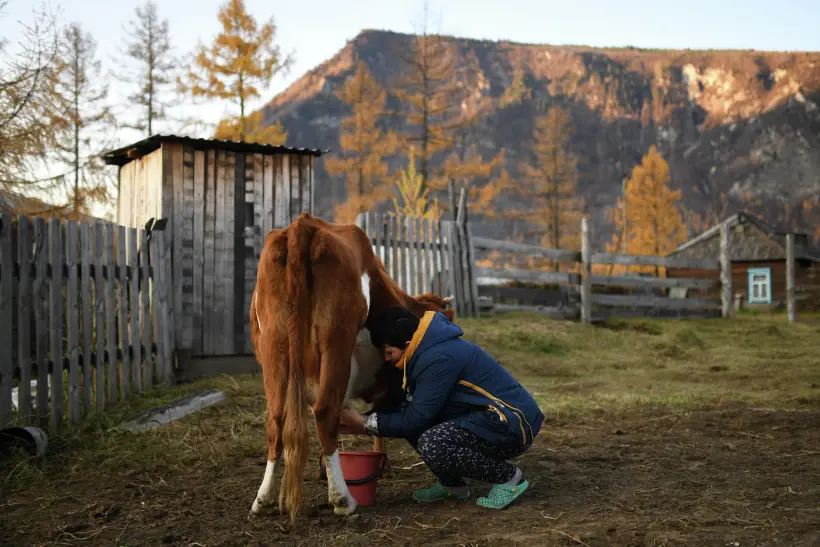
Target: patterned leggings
point(453, 454)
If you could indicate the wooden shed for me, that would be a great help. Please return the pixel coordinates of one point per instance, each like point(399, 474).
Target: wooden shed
point(221, 199)
point(758, 257)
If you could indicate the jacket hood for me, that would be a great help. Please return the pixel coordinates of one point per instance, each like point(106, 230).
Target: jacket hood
point(440, 330)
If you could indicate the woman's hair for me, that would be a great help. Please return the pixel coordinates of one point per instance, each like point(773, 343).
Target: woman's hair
point(394, 327)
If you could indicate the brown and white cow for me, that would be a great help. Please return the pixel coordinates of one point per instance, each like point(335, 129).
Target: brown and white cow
point(318, 286)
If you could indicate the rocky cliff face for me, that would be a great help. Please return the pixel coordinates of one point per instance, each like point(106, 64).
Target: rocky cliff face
point(740, 129)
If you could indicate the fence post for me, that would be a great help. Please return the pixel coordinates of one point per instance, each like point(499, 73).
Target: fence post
point(55, 324)
point(586, 274)
point(471, 261)
point(790, 273)
point(471, 306)
point(6, 288)
point(725, 272)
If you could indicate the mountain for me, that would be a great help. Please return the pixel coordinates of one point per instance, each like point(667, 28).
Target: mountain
point(739, 129)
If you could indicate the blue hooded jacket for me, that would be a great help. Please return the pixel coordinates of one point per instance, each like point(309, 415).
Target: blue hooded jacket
point(450, 378)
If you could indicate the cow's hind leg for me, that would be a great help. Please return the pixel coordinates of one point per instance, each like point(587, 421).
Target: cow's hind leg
point(275, 378)
point(335, 375)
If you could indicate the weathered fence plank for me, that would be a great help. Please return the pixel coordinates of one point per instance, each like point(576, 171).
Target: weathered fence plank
point(790, 279)
point(134, 315)
point(122, 308)
point(85, 301)
point(6, 317)
point(200, 178)
point(100, 271)
point(438, 256)
point(412, 270)
point(586, 274)
point(428, 255)
point(24, 316)
point(401, 236)
point(41, 318)
point(646, 301)
point(55, 240)
point(653, 282)
point(484, 243)
point(392, 237)
point(378, 237)
point(165, 309)
point(472, 274)
point(660, 261)
point(73, 322)
point(159, 319)
point(725, 272)
point(471, 307)
point(531, 276)
point(145, 320)
point(452, 266)
point(111, 314)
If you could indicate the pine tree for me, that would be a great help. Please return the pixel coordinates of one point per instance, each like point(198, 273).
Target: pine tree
point(148, 46)
point(654, 223)
point(80, 95)
point(364, 146)
point(548, 183)
point(242, 57)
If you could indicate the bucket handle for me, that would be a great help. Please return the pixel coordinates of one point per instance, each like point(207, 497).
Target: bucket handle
point(355, 482)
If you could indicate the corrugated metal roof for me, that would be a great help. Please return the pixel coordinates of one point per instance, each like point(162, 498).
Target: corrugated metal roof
point(123, 155)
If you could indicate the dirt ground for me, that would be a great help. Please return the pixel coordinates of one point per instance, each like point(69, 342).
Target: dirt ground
point(721, 477)
point(657, 433)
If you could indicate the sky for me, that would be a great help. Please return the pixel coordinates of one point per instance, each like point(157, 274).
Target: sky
point(315, 30)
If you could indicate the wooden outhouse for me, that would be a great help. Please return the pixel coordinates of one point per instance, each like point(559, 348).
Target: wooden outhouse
point(220, 198)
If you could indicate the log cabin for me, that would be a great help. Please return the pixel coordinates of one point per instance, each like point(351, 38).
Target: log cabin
point(758, 257)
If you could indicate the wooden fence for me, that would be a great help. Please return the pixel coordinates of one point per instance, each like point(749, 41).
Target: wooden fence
point(426, 255)
point(84, 317)
point(440, 256)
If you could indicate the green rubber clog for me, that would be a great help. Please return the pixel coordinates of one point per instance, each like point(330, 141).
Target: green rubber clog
point(501, 495)
point(437, 492)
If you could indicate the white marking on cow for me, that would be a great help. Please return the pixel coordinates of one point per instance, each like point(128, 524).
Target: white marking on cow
point(366, 289)
point(343, 502)
point(265, 496)
point(256, 309)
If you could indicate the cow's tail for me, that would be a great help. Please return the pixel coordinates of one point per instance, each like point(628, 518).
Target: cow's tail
point(295, 430)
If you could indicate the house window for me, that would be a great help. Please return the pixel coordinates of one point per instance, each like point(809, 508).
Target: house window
point(760, 285)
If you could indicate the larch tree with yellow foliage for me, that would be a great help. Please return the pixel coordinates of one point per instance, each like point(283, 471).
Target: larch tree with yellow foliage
point(242, 58)
point(364, 146)
point(436, 102)
point(427, 94)
point(654, 222)
point(548, 184)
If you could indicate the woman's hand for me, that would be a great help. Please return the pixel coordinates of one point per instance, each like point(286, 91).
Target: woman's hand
point(351, 422)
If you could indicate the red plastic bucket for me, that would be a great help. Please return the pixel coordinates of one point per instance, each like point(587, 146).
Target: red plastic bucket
point(362, 470)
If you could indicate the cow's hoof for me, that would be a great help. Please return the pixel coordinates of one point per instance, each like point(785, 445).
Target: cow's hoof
point(263, 508)
point(346, 506)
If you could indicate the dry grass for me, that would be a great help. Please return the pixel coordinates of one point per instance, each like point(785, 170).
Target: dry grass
point(99, 482)
point(629, 365)
point(625, 366)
